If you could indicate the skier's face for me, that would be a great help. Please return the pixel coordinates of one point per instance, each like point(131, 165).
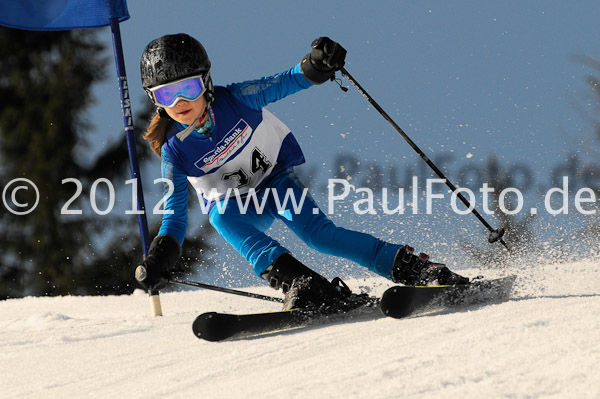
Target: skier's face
point(187, 111)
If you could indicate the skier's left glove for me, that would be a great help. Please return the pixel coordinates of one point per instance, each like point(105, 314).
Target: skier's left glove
point(160, 263)
point(323, 61)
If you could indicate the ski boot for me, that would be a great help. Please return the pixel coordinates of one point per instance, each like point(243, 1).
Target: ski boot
point(410, 269)
point(306, 289)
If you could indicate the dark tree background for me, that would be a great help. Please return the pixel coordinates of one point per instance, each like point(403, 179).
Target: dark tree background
point(46, 80)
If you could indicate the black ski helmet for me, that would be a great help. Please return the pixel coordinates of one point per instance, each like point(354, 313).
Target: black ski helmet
point(173, 57)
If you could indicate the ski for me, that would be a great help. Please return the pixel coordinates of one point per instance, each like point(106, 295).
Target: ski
point(402, 301)
point(214, 326)
point(396, 302)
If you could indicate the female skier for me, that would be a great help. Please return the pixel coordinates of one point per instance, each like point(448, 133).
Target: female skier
point(222, 140)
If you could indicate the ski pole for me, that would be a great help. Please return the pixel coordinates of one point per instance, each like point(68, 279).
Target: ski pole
point(495, 234)
point(226, 290)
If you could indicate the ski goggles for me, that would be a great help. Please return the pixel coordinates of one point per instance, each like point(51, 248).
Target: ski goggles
point(168, 94)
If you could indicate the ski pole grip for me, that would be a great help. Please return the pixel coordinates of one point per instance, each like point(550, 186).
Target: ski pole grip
point(155, 303)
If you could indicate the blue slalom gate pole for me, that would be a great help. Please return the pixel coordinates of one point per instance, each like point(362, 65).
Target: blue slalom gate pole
point(131, 149)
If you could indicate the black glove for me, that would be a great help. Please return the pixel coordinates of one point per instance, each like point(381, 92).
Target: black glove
point(160, 263)
point(320, 64)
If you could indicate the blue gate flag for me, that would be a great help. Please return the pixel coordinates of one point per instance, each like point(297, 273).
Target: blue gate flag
point(61, 14)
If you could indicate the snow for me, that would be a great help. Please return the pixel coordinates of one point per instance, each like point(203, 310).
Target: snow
point(542, 343)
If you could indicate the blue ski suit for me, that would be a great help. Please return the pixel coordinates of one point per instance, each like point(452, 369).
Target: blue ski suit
point(243, 169)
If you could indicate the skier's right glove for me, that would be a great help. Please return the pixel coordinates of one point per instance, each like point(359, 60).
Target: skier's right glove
point(323, 61)
point(160, 263)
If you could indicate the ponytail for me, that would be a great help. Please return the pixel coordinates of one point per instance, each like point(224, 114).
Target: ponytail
point(157, 131)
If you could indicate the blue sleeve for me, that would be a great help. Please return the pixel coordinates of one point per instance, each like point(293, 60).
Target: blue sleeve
point(174, 221)
point(258, 93)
